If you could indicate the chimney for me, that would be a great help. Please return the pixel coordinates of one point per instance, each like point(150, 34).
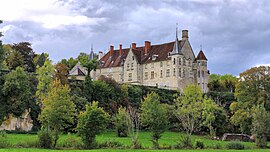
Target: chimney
point(184, 34)
point(147, 46)
point(100, 55)
point(120, 50)
point(111, 50)
point(133, 45)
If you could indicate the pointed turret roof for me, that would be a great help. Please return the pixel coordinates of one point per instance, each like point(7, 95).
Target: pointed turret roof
point(91, 56)
point(201, 56)
point(176, 47)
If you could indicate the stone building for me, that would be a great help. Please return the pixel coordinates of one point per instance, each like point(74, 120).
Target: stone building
point(171, 65)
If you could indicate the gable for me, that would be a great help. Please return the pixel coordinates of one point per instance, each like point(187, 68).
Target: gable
point(187, 50)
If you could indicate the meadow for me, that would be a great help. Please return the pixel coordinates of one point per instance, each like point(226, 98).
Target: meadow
point(25, 142)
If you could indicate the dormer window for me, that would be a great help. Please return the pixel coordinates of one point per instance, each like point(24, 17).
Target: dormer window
point(132, 57)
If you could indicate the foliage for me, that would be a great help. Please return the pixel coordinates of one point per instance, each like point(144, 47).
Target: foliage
point(17, 92)
point(210, 110)
point(2, 52)
point(199, 144)
point(253, 89)
point(58, 109)
point(70, 63)
point(89, 65)
point(61, 73)
point(91, 123)
point(235, 145)
point(154, 116)
point(261, 125)
point(184, 142)
point(122, 122)
point(134, 128)
point(189, 108)
point(44, 76)
point(88, 90)
point(45, 139)
point(22, 55)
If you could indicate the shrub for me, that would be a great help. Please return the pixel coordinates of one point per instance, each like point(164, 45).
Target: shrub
point(111, 144)
point(45, 139)
point(199, 144)
point(27, 144)
point(91, 123)
point(235, 145)
point(122, 122)
point(215, 146)
point(184, 142)
point(71, 142)
point(3, 140)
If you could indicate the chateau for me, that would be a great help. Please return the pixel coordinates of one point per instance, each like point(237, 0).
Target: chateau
point(171, 65)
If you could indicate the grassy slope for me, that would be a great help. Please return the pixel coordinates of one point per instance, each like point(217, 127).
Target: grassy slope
point(167, 139)
point(129, 150)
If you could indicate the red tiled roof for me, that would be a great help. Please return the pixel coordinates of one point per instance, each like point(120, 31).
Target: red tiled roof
point(201, 56)
point(161, 51)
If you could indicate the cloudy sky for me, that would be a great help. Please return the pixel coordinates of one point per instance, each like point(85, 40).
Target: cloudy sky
point(234, 34)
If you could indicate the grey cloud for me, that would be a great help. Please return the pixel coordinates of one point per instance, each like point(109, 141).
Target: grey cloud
point(235, 34)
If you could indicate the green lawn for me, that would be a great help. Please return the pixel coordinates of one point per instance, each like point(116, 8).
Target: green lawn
point(168, 139)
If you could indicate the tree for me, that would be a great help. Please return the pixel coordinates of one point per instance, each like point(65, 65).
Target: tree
point(189, 108)
point(91, 123)
point(61, 73)
point(22, 55)
point(17, 92)
point(44, 76)
point(122, 122)
point(58, 110)
point(134, 126)
point(153, 115)
point(261, 125)
point(253, 89)
point(89, 65)
point(70, 63)
point(210, 113)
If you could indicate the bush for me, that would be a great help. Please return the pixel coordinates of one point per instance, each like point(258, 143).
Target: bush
point(45, 139)
point(111, 144)
point(184, 142)
point(71, 143)
point(235, 145)
point(27, 144)
point(215, 146)
point(3, 140)
point(122, 122)
point(199, 144)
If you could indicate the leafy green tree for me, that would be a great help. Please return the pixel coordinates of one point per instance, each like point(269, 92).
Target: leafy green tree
point(122, 122)
point(17, 91)
point(91, 123)
point(61, 73)
point(89, 65)
point(22, 55)
point(70, 63)
point(189, 108)
point(44, 76)
point(210, 112)
point(253, 89)
point(58, 110)
point(153, 115)
point(261, 125)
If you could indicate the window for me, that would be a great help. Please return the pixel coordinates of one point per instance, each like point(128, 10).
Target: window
point(168, 63)
point(199, 74)
point(167, 72)
point(161, 74)
point(131, 66)
point(183, 74)
point(161, 64)
point(174, 72)
point(199, 63)
point(128, 66)
point(152, 65)
point(129, 76)
point(145, 75)
point(152, 75)
point(180, 61)
point(179, 72)
point(173, 61)
point(145, 66)
point(184, 62)
point(132, 57)
point(202, 73)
